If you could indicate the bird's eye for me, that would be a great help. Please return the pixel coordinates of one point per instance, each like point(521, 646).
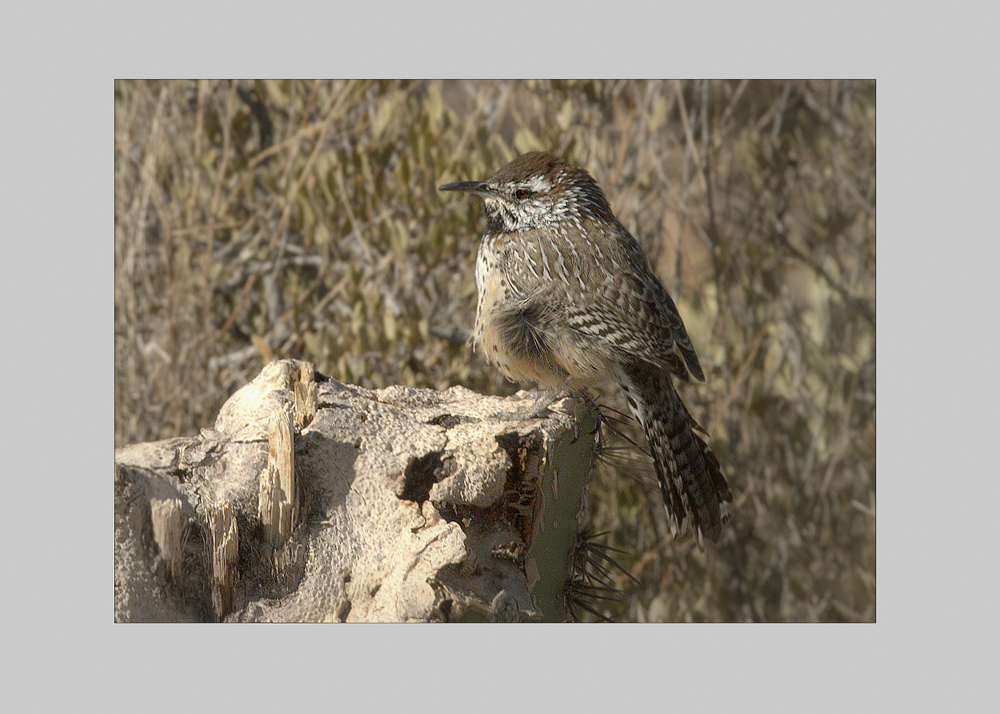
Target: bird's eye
point(521, 194)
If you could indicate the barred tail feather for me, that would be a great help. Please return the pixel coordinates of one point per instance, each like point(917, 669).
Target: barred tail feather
point(695, 490)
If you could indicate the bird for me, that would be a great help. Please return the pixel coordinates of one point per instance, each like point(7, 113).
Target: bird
point(566, 299)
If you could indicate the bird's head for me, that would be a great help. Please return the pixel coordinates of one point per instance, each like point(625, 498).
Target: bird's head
point(536, 190)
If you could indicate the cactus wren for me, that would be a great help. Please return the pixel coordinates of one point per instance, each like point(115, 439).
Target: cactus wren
point(567, 299)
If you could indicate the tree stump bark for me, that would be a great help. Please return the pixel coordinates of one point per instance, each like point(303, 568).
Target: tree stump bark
point(315, 501)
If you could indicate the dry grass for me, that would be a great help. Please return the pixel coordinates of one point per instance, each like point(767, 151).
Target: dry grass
point(264, 219)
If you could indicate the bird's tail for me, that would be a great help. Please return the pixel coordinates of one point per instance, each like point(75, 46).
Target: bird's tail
point(694, 487)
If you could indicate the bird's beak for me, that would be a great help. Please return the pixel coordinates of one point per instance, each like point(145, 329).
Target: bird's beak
point(477, 187)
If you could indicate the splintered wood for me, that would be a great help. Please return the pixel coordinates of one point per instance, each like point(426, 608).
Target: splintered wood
point(480, 529)
point(225, 549)
point(167, 522)
point(278, 505)
point(305, 389)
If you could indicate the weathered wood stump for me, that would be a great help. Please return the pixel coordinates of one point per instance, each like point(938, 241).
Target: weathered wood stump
point(316, 501)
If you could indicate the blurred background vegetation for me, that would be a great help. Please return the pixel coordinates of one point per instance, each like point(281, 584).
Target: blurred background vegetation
point(264, 219)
